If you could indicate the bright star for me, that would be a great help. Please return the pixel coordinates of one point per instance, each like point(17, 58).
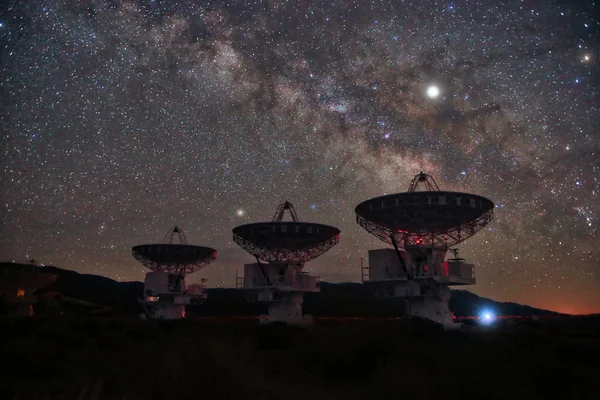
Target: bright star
point(240, 213)
point(433, 91)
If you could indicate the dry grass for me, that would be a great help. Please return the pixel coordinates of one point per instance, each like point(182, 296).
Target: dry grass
point(130, 359)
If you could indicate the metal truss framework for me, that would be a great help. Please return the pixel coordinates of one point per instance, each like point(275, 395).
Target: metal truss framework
point(173, 267)
point(440, 239)
point(278, 217)
point(286, 256)
point(176, 231)
point(437, 228)
point(179, 258)
point(424, 179)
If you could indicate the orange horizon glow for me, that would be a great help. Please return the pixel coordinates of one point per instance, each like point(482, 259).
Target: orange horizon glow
point(570, 309)
point(567, 304)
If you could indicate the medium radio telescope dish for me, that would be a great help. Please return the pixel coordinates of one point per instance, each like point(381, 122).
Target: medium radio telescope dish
point(174, 257)
point(425, 218)
point(286, 242)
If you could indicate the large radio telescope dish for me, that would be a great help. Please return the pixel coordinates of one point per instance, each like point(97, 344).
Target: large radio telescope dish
point(174, 257)
point(287, 242)
point(427, 218)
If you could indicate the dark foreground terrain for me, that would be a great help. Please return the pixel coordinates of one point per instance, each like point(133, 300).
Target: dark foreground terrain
point(132, 359)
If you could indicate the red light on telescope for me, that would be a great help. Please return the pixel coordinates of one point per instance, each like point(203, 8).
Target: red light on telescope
point(445, 268)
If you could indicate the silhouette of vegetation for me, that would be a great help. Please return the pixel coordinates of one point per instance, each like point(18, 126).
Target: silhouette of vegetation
point(127, 358)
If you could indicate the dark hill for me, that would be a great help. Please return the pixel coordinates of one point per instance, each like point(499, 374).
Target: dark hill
point(342, 299)
point(121, 297)
point(467, 304)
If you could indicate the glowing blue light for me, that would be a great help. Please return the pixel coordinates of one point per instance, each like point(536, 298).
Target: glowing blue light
point(487, 317)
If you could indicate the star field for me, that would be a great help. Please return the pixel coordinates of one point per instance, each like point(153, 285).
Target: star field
point(121, 119)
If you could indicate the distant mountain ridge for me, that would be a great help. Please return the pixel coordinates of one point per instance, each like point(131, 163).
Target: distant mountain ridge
point(335, 299)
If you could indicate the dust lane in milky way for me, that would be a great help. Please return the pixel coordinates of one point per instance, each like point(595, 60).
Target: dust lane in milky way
point(124, 118)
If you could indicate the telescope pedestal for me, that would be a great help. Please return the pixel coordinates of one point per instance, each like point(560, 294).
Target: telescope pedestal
point(422, 278)
point(434, 308)
point(165, 296)
point(287, 309)
point(282, 287)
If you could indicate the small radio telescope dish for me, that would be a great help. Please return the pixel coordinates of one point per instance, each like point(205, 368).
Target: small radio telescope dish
point(165, 292)
point(174, 257)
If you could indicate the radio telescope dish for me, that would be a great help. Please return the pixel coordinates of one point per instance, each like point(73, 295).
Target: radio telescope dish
point(422, 225)
point(428, 218)
point(286, 247)
point(165, 292)
point(174, 257)
point(286, 241)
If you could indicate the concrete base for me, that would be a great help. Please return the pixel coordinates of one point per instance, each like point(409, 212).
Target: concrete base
point(433, 308)
point(287, 310)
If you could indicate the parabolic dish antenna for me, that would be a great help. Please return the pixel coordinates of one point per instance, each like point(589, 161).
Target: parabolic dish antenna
point(428, 218)
point(286, 241)
point(174, 257)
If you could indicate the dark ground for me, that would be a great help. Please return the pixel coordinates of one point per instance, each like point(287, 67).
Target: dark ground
point(109, 358)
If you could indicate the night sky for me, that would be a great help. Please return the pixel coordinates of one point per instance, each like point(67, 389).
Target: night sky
point(121, 119)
